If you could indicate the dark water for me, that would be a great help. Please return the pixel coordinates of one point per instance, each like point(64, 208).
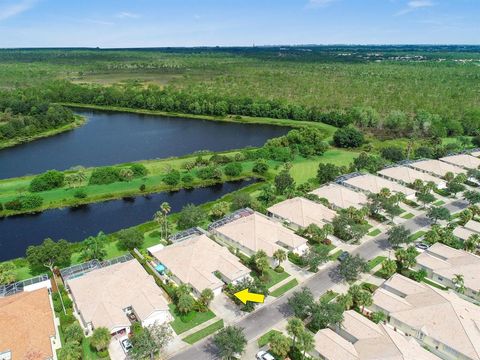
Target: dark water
point(18, 232)
point(115, 137)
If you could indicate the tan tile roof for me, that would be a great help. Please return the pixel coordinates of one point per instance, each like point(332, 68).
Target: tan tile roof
point(195, 260)
point(303, 212)
point(374, 184)
point(102, 295)
point(446, 262)
point(257, 232)
point(437, 167)
point(473, 225)
point(341, 196)
point(370, 342)
point(463, 233)
point(439, 314)
point(409, 175)
point(463, 160)
point(26, 325)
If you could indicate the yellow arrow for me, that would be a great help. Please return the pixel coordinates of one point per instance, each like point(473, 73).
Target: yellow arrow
point(245, 296)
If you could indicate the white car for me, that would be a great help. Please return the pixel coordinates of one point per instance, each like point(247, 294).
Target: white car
point(126, 344)
point(263, 355)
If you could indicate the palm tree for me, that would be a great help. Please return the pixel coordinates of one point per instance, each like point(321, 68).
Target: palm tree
point(472, 243)
point(280, 256)
point(100, 338)
point(165, 208)
point(458, 280)
point(294, 328)
point(159, 218)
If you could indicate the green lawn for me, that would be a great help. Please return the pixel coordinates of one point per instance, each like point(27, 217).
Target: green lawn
point(182, 323)
point(274, 277)
point(374, 262)
point(408, 216)
point(434, 284)
point(417, 235)
point(439, 203)
point(284, 288)
point(336, 254)
point(328, 296)
point(265, 338)
point(374, 232)
point(199, 335)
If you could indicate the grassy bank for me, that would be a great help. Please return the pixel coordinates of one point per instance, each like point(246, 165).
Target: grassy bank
point(328, 129)
point(79, 121)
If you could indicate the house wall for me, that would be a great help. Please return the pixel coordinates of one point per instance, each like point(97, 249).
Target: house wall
point(281, 220)
point(161, 317)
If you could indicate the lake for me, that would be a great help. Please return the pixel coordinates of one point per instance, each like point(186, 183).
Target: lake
point(116, 137)
point(75, 224)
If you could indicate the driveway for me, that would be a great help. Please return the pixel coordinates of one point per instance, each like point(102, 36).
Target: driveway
point(265, 318)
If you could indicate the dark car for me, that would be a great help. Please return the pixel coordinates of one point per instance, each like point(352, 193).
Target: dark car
point(343, 256)
point(421, 246)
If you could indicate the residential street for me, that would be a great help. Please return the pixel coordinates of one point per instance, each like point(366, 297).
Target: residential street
point(264, 319)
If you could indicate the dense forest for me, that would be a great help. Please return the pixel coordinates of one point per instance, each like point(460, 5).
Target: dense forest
point(24, 115)
point(388, 91)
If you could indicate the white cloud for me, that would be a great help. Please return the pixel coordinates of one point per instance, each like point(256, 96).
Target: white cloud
point(415, 5)
point(15, 8)
point(319, 3)
point(127, 15)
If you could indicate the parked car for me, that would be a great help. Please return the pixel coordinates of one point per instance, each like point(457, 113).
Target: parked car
point(421, 246)
point(343, 256)
point(126, 344)
point(263, 355)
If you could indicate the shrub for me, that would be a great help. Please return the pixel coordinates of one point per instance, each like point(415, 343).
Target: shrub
point(172, 178)
point(52, 179)
point(187, 179)
point(393, 153)
point(139, 170)
point(74, 332)
point(104, 175)
point(25, 202)
point(209, 173)
point(233, 169)
point(279, 269)
point(240, 201)
point(128, 239)
point(260, 167)
point(190, 216)
point(220, 159)
point(14, 204)
point(142, 187)
point(348, 137)
point(80, 194)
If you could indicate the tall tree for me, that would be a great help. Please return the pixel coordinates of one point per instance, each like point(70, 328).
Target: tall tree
point(280, 345)
point(149, 342)
point(295, 327)
point(230, 341)
point(49, 254)
point(101, 338)
point(165, 208)
point(398, 235)
point(300, 302)
point(459, 282)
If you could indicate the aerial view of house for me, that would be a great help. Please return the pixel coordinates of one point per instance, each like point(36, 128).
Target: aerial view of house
point(358, 338)
point(117, 295)
point(463, 160)
point(374, 184)
point(438, 319)
point(437, 167)
point(340, 196)
point(443, 264)
point(473, 225)
point(209, 264)
point(407, 175)
point(300, 212)
point(255, 232)
point(27, 328)
point(463, 233)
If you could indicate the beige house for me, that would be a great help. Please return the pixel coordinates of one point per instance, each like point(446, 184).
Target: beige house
point(463, 233)
point(255, 232)
point(406, 176)
point(116, 295)
point(441, 321)
point(374, 184)
point(197, 259)
point(300, 212)
point(27, 327)
point(341, 197)
point(442, 263)
point(473, 226)
point(361, 339)
point(463, 160)
point(437, 167)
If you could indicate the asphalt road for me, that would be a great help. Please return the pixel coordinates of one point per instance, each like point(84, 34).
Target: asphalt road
point(262, 320)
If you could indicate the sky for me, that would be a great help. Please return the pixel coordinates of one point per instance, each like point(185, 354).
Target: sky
point(159, 23)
